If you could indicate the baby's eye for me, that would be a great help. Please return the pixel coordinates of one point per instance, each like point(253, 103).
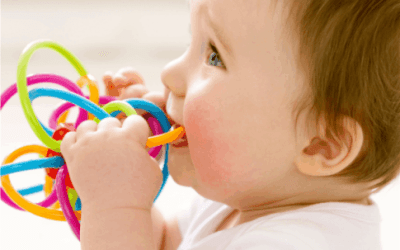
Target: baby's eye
point(215, 55)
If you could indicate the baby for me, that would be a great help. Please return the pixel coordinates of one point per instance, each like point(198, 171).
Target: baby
point(291, 115)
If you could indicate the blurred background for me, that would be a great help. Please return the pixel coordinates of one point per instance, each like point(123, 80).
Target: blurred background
point(105, 36)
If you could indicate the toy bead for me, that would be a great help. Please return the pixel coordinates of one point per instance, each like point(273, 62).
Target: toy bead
point(61, 131)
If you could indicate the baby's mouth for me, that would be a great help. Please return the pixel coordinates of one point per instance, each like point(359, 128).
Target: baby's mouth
point(181, 142)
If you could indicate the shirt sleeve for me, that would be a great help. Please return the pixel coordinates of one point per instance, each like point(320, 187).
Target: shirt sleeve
point(269, 240)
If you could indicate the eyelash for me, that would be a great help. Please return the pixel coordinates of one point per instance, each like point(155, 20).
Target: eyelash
point(215, 51)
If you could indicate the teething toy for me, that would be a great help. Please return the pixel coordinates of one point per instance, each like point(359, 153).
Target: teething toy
point(51, 159)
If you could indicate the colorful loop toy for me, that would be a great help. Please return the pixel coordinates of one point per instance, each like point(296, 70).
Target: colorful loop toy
point(62, 194)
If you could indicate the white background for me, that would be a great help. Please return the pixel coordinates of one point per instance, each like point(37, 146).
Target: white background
point(104, 35)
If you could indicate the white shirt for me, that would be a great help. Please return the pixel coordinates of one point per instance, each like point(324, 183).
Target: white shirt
point(323, 226)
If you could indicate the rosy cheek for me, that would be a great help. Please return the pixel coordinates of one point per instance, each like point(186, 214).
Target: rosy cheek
point(208, 148)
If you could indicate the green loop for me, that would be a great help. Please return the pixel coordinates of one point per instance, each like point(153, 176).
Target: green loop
point(23, 88)
point(72, 196)
point(117, 105)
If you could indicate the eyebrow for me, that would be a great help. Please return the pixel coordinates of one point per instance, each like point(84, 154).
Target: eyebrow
point(217, 30)
point(218, 33)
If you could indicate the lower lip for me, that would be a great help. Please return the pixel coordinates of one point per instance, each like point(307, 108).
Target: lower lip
point(182, 144)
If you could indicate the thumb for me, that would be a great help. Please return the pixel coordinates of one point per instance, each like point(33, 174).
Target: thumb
point(156, 98)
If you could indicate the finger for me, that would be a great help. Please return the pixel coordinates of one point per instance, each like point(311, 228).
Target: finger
point(125, 70)
point(137, 128)
point(109, 85)
point(108, 123)
point(85, 127)
point(132, 75)
point(119, 80)
point(133, 91)
point(107, 77)
point(155, 97)
point(120, 116)
point(68, 140)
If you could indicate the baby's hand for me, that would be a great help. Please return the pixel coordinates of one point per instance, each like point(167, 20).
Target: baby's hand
point(108, 162)
point(123, 78)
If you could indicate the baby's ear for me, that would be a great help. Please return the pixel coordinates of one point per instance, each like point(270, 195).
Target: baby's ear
point(324, 155)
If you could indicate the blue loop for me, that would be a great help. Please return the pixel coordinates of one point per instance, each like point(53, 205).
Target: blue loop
point(31, 190)
point(78, 205)
point(52, 162)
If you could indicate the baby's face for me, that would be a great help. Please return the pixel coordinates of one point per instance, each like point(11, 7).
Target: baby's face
point(235, 102)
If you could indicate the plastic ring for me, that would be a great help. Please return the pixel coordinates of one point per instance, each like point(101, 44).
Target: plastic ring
point(48, 188)
point(23, 89)
point(89, 81)
point(118, 105)
point(63, 118)
point(64, 202)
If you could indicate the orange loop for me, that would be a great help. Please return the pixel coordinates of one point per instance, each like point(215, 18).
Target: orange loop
point(48, 188)
point(63, 117)
point(93, 89)
point(21, 201)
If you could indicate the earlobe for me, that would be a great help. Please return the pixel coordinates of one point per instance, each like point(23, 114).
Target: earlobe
point(323, 156)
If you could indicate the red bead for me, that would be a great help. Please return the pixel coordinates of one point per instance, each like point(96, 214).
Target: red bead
point(61, 131)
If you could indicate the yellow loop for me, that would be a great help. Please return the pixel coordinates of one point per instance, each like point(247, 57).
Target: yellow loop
point(93, 89)
point(48, 188)
point(165, 138)
point(18, 199)
point(63, 117)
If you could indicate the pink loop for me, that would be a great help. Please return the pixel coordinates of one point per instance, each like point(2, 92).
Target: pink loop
point(156, 128)
point(50, 200)
point(64, 201)
point(42, 78)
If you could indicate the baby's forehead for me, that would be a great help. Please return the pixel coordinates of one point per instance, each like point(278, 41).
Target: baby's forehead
point(254, 13)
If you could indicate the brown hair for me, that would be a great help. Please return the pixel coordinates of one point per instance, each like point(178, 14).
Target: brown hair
point(349, 51)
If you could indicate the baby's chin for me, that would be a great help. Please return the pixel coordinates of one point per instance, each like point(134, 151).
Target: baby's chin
point(180, 165)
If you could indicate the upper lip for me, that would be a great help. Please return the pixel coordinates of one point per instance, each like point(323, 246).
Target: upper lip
point(174, 107)
point(172, 120)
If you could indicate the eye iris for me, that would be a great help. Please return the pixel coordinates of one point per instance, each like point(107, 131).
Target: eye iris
point(212, 57)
